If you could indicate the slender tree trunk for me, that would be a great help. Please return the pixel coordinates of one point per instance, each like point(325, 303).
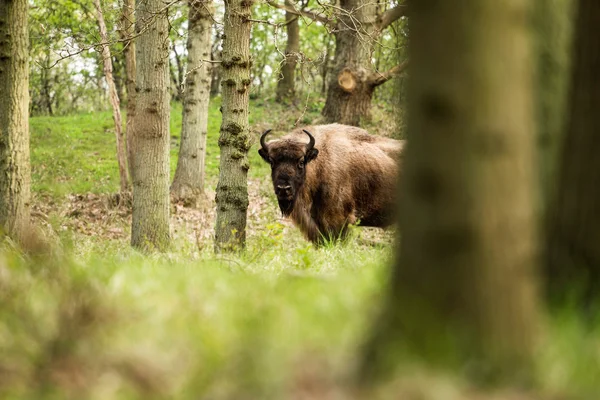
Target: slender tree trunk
point(325, 65)
point(15, 175)
point(127, 31)
point(114, 99)
point(46, 89)
point(188, 183)
point(286, 85)
point(234, 139)
point(177, 75)
point(574, 245)
point(150, 130)
point(215, 77)
point(463, 288)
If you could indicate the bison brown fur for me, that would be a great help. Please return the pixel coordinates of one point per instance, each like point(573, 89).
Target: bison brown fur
point(329, 176)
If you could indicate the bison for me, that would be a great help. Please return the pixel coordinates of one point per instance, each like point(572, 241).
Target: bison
point(327, 177)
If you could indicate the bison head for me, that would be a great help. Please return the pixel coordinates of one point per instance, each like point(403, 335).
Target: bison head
point(288, 159)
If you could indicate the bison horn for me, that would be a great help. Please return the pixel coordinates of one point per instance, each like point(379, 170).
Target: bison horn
point(262, 139)
point(311, 142)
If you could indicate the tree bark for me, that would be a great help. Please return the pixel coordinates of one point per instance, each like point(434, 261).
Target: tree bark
point(351, 85)
point(463, 287)
point(15, 172)
point(573, 252)
point(114, 99)
point(188, 183)
point(286, 84)
point(127, 32)
point(349, 95)
point(150, 130)
point(234, 139)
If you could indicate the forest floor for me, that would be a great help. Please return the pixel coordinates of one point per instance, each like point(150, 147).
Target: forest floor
point(89, 317)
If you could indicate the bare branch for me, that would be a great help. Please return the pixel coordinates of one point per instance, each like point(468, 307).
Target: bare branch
point(391, 16)
point(303, 13)
point(379, 78)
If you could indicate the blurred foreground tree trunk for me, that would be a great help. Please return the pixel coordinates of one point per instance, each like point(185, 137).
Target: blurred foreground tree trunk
point(15, 172)
point(150, 130)
point(286, 91)
point(114, 98)
point(188, 183)
point(463, 289)
point(234, 138)
point(573, 252)
point(127, 31)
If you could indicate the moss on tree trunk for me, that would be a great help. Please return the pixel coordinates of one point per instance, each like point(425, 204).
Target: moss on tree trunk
point(234, 139)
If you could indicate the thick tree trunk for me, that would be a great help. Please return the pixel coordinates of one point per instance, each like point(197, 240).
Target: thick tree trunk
point(463, 288)
point(349, 95)
point(114, 99)
point(574, 246)
point(127, 31)
point(234, 139)
point(15, 175)
point(150, 130)
point(286, 85)
point(188, 183)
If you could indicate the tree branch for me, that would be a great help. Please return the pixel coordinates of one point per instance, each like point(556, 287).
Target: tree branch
point(303, 13)
point(392, 15)
point(379, 78)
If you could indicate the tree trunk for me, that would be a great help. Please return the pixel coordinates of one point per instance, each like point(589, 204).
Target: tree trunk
point(177, 75)
point(215, 76)
point(286, 85)
point(573, 249)
point(349, 95)
point(127, 32)
point(46, 89)
point(325, 65)
point(15, 174)
point(114, 99)
point(463, 288)
point(150, 219)
point(234, 139)
point(188, 183)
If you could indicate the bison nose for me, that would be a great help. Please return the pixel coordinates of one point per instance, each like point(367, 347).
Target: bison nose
point(283, 190)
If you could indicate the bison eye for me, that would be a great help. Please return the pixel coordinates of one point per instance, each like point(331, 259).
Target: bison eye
point(301, 164)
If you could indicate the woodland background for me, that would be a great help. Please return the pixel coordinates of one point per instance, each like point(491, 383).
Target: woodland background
point(143, 254)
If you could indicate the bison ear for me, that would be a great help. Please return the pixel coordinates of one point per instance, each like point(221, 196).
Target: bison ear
point(264, 154)
point(311, 154)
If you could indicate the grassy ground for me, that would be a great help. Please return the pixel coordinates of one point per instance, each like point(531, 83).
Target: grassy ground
point(91, 318)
